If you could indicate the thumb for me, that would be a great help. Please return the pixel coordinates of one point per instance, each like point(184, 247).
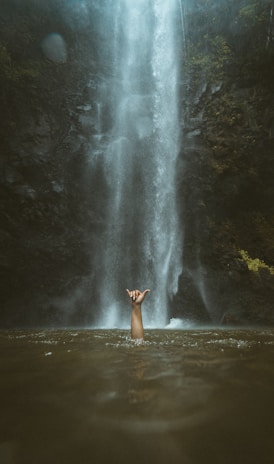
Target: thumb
point(146, 291)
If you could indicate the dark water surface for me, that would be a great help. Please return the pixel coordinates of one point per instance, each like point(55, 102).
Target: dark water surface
point(94, 396)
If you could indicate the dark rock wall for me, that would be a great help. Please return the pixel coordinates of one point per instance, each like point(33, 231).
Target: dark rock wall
point(227, 187)
point(52, 196)
point(49, 194)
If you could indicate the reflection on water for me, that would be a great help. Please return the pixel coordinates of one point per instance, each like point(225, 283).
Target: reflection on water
point(83, 396)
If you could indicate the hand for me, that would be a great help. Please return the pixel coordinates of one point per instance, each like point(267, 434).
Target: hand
point(136, 296)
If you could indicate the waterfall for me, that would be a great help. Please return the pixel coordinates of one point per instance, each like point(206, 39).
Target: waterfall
point(141, 245)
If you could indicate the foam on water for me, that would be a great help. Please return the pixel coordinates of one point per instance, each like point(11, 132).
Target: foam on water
point(177, 323)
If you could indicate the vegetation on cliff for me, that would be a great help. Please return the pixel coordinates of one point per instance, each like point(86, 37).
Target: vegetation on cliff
point(47, 218)
point(229, 127)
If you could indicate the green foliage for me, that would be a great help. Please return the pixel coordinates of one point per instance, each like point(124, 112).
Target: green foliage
point(252, 14)
point(5, 62)
point(248, 12)
point(13, 72)
point(212, 60)
point(255, 265)
point(228, 37)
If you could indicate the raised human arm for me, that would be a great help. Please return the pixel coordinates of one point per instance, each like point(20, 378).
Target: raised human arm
point(136, 298)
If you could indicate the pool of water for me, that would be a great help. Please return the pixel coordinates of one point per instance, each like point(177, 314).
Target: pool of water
point(95, 396)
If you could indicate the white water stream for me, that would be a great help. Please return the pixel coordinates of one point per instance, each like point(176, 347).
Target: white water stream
point(142, 241)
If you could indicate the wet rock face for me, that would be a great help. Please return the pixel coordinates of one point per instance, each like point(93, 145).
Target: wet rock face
point(228, 207)
point(48, 209)
point(52, 198)
point(227, 192)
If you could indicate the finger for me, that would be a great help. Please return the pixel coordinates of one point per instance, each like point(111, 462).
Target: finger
point(145, 292)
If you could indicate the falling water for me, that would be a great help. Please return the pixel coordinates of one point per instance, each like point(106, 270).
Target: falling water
point(142, 243)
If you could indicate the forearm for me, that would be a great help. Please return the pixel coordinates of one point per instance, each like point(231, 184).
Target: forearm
point(137, 330)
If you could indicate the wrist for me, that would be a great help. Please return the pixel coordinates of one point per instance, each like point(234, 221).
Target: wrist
point(135, 305)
